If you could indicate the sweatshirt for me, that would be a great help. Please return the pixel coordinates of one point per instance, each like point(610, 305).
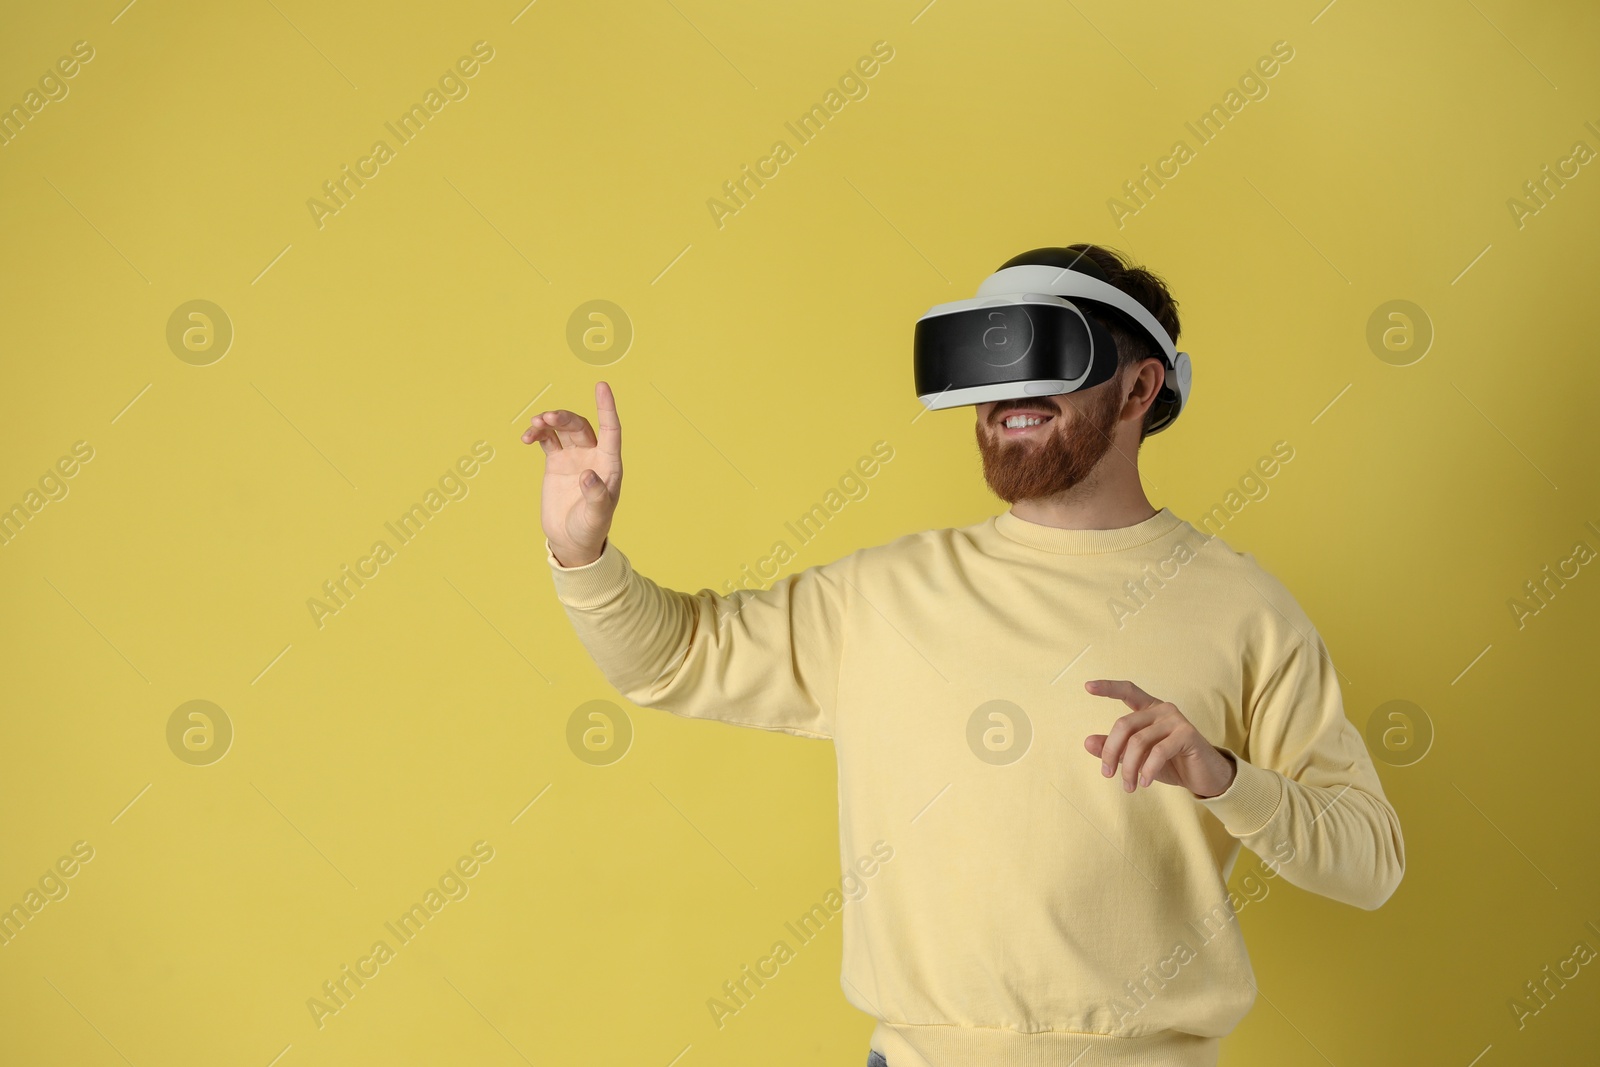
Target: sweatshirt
point(1033, 912)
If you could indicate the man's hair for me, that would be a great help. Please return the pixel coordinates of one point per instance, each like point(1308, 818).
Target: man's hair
point(1109, 265)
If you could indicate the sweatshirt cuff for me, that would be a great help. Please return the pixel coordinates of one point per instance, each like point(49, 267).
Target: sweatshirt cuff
point(1250, 801)
point(593, 584)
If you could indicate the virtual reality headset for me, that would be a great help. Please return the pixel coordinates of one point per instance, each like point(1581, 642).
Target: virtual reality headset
point(1027, 334)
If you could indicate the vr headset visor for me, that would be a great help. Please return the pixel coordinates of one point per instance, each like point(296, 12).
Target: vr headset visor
point(1027, 334)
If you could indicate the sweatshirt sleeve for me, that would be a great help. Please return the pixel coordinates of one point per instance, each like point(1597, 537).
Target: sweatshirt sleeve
point(766, 658)
point(1306, 797)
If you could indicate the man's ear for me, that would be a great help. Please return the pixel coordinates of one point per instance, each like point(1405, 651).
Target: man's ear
point(1146, 381)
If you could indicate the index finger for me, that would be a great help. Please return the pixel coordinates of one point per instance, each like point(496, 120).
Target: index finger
point(605, 405)
point(1121, 689)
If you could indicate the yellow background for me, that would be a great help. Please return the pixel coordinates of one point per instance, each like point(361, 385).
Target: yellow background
point(768, 356)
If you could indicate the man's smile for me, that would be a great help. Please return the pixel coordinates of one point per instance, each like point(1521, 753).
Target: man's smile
point(1022, 421)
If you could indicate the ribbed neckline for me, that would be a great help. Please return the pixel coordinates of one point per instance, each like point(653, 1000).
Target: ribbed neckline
point(1085, 542)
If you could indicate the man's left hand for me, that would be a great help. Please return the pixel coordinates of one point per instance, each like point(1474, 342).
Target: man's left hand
point(1155, 743)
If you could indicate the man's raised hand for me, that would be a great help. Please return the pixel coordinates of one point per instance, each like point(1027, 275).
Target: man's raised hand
point(582, 477)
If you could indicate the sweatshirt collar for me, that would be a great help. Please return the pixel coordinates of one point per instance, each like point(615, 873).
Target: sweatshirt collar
point(1085, 542)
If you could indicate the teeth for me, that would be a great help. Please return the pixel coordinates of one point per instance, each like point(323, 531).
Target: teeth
point(1016, 422)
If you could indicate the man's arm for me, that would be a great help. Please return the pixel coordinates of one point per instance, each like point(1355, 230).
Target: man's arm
point(1306, 797)
point(765, 658)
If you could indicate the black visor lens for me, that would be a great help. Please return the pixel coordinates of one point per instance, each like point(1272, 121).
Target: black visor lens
point(998, 344)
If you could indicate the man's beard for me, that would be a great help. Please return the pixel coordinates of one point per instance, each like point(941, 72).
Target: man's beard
point(1079, 437)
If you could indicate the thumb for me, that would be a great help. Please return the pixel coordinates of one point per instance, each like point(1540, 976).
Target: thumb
point(594, 492)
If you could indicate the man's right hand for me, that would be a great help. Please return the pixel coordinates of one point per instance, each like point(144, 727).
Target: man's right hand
point(582, 478)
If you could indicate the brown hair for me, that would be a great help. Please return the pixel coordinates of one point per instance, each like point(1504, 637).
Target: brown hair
point(1109, 265)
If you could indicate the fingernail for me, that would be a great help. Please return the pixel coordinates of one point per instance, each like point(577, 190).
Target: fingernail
point(1127, 787)
point(1143, 780)
point(1105, 770)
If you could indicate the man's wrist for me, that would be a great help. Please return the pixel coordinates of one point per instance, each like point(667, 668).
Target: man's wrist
point(1232, 773)
point(575, 557)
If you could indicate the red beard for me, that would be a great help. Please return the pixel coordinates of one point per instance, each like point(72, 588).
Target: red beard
point(1079, 437)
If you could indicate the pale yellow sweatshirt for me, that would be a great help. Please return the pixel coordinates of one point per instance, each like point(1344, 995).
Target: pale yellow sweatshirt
point(1033, 911)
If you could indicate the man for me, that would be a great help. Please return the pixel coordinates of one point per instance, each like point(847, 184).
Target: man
point(1034, 911)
